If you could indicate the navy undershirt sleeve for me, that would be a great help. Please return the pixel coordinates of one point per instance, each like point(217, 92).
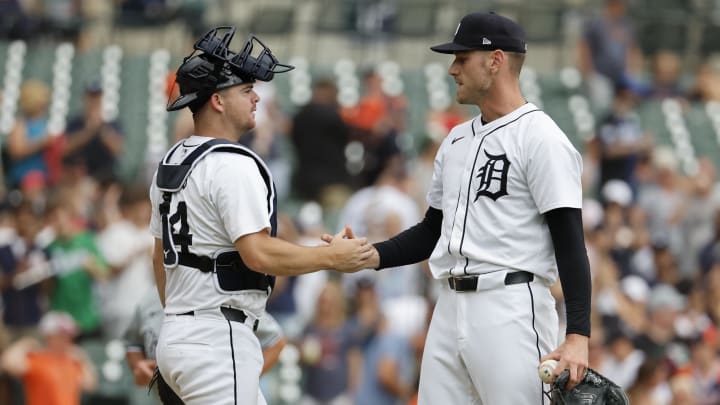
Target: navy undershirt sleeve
point(412, 245)
point(566, 231)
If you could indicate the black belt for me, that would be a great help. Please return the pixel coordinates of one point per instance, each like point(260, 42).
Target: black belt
point(232, 315)
point(470, 283)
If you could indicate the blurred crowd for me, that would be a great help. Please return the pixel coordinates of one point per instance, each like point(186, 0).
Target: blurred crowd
point(75, 249)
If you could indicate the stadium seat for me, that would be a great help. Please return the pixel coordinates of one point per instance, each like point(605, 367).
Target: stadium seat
point(114, 376)
point(273, 20)
point(416, 18)
point(336, 17)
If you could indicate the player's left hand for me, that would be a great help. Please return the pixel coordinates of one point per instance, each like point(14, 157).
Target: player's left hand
point(573, 356)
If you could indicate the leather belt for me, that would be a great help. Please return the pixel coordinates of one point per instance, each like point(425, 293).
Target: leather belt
point(231, 314)
point(470, 283)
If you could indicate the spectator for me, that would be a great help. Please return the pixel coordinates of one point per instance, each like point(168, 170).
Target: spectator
point(705, 368)
point(666, 69)
point(376, 121)
point(608, 51)
point(21, 254)
point(77, 265)
point(701, 205)
point(328, 359)
point(53, 372)
point(28, 141)
point(710, 253)
point(381, 211)
point(623, 360)
point(126, 244)
point(320, 136)
point(650, 387)
point(664, 201)
point(91, 140)
point(622, 141)
point(706, 87)
point(664, 306)
point(388, 370)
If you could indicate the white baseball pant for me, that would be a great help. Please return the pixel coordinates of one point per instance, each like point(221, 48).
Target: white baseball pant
point(483, 347)
point(203, 365)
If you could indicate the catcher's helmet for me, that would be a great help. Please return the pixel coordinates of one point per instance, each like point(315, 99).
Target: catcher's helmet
point(217, 68)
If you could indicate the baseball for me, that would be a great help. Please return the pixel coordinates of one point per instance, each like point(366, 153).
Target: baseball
point(546, 369)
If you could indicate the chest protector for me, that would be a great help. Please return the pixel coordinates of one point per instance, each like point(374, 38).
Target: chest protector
point(231, 272)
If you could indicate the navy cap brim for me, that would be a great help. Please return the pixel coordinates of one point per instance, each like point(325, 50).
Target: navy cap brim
point(450, 47)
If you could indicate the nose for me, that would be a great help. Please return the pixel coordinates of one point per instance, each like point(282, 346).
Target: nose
point(453, 68)
point(256, 98)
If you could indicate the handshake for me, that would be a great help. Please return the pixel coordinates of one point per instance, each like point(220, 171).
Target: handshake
point(350, 254)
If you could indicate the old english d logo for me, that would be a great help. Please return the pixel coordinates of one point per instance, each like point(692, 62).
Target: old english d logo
point(493, 177)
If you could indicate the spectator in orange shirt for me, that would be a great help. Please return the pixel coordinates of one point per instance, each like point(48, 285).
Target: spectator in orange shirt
point(53, 373)
point(376, 122)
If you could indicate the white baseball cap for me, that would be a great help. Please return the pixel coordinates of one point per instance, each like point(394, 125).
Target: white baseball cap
point(55, 322)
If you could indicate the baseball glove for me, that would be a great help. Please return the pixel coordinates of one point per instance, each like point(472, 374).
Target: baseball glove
point(594, 389)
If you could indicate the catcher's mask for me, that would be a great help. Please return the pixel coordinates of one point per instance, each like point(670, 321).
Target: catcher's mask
point(217, 67)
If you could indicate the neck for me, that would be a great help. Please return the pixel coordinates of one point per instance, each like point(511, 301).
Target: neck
point(216, 128)
point(501, 100)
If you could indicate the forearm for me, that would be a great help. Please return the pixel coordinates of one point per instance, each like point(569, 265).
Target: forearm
point(272, 354)
point(14, 360)
point(412, 245)
point(112, 140)
point(76, 140)
point(275, 256)
point(573, 267)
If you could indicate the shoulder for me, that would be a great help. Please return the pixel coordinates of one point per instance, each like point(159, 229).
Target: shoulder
point(465, 128)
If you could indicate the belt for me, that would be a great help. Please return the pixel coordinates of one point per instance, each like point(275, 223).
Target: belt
point(470, 283)
point(231, 314)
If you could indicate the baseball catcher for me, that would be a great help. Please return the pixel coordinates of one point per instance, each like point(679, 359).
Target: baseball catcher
point(594, 389)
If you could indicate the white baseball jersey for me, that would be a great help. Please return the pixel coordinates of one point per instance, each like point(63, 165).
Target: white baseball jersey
point(225, 197)
point(493, 182)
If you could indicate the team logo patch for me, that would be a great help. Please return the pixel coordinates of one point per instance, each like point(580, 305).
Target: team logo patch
point(493, 177)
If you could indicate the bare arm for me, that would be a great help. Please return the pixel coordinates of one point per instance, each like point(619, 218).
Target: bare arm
point(272, 354)
point(112, 139)
point(142, 368)
point(269, 255)
point(89, 375)
point(388, 376)
point(20, 146)
point(14, 360)
point(159, 270)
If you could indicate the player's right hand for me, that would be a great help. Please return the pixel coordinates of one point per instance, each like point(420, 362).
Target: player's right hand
point(351, 254)
point(143, 372)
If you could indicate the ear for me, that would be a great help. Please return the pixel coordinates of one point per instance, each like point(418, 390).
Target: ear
point(217, 102)
point(497, 60)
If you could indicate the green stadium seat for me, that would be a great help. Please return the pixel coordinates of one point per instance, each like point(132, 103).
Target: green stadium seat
point(416, 18)
point(652, 120)
point(39, 61)
point(133, 111)
point(702, 133)
point(338, 16)
point(273, 20)
point(108, 392)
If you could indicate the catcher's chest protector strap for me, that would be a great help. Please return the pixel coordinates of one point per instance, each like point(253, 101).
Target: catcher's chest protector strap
point(173, 177)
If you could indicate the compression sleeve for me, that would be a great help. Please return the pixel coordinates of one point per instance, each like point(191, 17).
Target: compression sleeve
point(566, 231)
point(412, 245)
